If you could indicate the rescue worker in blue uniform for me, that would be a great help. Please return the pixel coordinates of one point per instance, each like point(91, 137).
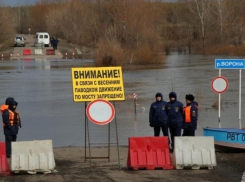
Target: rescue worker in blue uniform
point(175, 116)
point(190, 116)
point(11, 123)
point(158, 117)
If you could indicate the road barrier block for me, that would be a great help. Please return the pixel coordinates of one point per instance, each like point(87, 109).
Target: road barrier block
point(148, 153)
point(27, 52)
point(4, 169)
point(194, 152)
point(38, 52)
point(50, 52)
point(32, 157)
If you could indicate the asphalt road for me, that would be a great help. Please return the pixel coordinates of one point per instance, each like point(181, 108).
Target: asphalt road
point(18, 51)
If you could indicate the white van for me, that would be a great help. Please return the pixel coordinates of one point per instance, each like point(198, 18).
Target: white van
point(42, 37)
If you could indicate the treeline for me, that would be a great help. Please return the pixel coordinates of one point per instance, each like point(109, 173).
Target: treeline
point(8, 25)
point(140, 31)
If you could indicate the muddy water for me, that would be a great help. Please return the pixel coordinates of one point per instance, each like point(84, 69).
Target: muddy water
point(44, 91)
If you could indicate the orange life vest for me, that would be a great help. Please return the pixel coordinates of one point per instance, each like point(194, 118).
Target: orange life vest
point(187, 111)
point(3, 108)
point(11, 115)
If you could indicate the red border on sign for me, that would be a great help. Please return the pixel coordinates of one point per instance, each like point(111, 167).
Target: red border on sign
point(98, 122)
point(223, 79)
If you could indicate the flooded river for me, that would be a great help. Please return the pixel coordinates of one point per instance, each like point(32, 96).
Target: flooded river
point(43, 90)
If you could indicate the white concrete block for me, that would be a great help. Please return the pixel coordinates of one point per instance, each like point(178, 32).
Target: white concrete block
point(38, 52)
point(194, 152)
point(32, 156)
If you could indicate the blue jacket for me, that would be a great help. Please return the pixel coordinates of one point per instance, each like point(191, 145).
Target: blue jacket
point(158, 115)
point(194, 115)
point(175, 113)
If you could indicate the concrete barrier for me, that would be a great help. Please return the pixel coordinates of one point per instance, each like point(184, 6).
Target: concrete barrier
point(32, 157)
point(38, 52)
point(4, 168)
point(194, 152)
point(243, 177)
point(26, 52)
point(148, 153)
point(50, 52)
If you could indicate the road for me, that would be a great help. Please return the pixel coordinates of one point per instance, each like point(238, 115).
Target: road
point(18, 51)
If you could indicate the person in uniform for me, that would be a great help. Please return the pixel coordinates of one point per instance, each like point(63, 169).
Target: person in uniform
point(11, 122)
point(190, 116)
point(175, 117)
point(158, 117)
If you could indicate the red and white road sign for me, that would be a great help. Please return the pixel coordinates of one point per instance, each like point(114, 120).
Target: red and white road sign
point(100, 112)
point(219, 84)
point(135, 96)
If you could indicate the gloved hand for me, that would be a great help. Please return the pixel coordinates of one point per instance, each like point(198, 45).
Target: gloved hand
point(151, 125)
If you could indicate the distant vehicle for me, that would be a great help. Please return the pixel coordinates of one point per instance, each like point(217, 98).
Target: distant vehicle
point(19, 41)
point(42, 37)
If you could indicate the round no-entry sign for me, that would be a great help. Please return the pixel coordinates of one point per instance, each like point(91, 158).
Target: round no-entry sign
point(219, 84)
point(100, 112)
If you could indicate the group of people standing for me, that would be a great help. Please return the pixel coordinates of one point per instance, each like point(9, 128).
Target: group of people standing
point(173, 116)
point(54, 42)
point(11, 122)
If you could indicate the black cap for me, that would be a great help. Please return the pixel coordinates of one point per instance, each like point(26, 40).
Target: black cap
point(15, 103)
point(159, 95)
point(172, 95)
point(8, 100)
point(189, 97)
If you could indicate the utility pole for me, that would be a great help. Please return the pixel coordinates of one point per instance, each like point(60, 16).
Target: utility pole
point(19, 17)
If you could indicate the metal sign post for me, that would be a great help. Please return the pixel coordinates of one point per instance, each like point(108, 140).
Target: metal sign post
point(219, 85)
point(101, 112)
point(98, 86)
point(135, 102)
point(118, 152)
point(240, 98)
point(232, 64)
point(219, 104)
point(85, 132)
point(109, 144)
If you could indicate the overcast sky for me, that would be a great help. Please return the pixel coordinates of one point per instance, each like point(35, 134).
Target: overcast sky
point(30, 2)
point(17, 2)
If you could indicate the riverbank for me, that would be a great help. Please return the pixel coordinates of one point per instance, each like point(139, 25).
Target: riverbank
point(71, 167)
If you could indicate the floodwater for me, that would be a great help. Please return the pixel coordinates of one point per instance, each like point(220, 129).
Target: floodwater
point(43, 90)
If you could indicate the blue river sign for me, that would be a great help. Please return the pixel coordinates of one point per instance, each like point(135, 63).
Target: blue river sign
point(229, 64)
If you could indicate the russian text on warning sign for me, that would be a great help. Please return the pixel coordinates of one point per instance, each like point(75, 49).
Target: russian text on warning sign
point(101, 89)
point(104, 82)
point(97, 83)
point(91, 74)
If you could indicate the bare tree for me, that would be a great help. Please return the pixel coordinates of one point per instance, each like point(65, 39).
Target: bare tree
point(200, 9)
point(8, 23)
point(221, 11)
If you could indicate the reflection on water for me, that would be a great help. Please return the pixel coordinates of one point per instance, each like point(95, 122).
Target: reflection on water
point(33, 64)
point(43, 89)
point(23, 64)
